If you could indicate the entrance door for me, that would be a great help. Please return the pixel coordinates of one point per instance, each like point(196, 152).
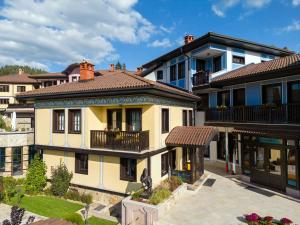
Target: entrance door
point(267, 167)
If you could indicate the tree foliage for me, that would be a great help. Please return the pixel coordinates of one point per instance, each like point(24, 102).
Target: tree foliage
point(60, 180)
point(36, 178)
point(14, 69)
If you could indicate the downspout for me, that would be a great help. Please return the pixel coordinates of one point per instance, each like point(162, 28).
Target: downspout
point(188, 73)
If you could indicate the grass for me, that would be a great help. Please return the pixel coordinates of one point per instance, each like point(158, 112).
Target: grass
point(96, 221)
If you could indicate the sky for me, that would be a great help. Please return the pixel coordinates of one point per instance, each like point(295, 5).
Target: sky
point(51, 34)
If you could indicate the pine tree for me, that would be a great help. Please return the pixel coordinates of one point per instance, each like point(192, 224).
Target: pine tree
point(13, 69)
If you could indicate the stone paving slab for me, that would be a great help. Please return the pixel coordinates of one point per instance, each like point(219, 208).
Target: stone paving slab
point(225, 203)
point(5, 214)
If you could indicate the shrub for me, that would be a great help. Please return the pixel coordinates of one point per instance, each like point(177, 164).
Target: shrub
point(159, 195)
point(36, 179)
point(174, 182)
point(74, 218)
point(9, 188)
point(60, 180)
point(76, 196)
point(86, 198)
point(137, 194)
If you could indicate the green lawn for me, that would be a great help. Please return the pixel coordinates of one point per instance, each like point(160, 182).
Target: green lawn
point(55, 208)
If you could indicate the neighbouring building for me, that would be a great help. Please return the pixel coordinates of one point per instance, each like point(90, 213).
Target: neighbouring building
point(256, 109)
point(108, 128)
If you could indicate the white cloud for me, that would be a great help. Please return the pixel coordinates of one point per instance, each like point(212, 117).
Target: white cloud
point(296, 2)
point(257, 3)
point(164, 43)
point(51, 32)
point(295, 26)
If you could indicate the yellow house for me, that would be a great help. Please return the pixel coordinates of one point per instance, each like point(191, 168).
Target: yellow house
point(108, 129)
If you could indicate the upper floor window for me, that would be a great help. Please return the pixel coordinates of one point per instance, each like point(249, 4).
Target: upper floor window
point(217, 63)
point(4, 88)
point(74, 79)
point(21, 88)
point(181, 70)
point(238, 59)
point(184, 118)
point(114, 119)
point(81, 163)
point(134, 119)
point(59, 121)
point(128, 169)
point(48, 84)
point(74, 121)
point(294, 92)
point(272, 94)
point(223, 98)
point(165, 120)
point(173, 73)
point(239, 97)
point(200, 65)
point(4, 101)
point(159, 75)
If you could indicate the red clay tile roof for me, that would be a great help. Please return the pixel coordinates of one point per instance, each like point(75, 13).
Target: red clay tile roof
point(191, 136)
point(107, 82)
point(17, 79)
point(48, 75)
point(276, 65)
point(52, 221)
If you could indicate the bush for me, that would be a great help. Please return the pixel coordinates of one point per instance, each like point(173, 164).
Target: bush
point(174, 182)
point(137, 194)
point(76, 196)
point(36, 179)
point(159, 195)
point(9, 188)
point(86, 198)
point(60, 180)
point(74, 218)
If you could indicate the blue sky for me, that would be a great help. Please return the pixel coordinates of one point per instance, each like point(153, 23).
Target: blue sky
point(53, 33)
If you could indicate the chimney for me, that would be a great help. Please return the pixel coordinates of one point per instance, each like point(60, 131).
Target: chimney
point(139, 70)
point(188, 39)
point(124, 67)
point(20, 71)
point(112, 67)
point(87, 71)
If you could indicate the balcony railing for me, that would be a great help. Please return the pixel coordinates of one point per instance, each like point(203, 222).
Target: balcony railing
point(120, 140)
point(200, 78)
point(285, 113)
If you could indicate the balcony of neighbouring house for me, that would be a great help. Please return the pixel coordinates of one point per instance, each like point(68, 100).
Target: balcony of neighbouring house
point(16, 138)
point(136, 141)
point(275, 114)
point(200, 78)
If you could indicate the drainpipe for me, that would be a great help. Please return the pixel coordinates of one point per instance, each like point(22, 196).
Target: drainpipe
point(188, 73)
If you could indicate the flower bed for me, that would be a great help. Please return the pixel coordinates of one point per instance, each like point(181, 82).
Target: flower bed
point(255, 219)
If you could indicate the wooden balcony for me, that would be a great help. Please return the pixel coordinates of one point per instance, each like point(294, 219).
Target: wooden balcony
point(200, 78)
point(120, 140)
point(285, 113)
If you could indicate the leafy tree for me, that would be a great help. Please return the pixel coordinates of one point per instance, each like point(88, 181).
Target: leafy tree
point(2, 123)
point(36, 178)
point(13, 69)
point(118, 66)
point(60, 180)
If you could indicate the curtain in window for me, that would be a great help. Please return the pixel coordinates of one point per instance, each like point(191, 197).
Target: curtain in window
point(134, 120)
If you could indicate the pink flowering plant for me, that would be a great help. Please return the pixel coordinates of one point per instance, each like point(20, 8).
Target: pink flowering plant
point(255, 219)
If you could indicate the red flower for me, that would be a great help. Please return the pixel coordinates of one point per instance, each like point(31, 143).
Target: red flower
point(268, 218)
point(286, 221)
point(253, 217)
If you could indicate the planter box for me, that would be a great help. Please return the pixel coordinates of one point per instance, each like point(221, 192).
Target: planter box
point(139, 213)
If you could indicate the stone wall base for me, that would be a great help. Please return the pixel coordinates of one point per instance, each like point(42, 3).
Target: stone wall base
point(293, 192)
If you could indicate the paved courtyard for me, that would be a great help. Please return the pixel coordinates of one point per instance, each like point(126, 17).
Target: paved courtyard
point(225, 203)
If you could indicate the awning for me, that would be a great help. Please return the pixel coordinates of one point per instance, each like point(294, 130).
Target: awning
point(268, 133)
point(188, 136)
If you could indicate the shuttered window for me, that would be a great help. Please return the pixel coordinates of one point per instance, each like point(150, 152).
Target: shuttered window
point(58, 121)
point(75, 121)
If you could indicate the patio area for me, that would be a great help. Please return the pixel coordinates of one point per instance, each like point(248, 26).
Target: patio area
point(224, 202)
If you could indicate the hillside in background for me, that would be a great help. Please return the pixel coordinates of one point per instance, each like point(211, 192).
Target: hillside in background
point(13, 69)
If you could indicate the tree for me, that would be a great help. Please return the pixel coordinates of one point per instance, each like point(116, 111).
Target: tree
point(60, 180)
point(13, 69)
point(36, 178)
point(118, 66)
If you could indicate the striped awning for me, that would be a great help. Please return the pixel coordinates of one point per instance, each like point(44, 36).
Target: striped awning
point(190, 136)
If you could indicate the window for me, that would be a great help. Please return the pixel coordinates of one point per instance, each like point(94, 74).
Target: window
point(275, 161)
point(134, 119)
point(181, 70)
point(159, 75)
point(48, 84)
point(239, 97)
point(173, 73)
point(74, 79)
point(294, 92)
point(191, 121)
point(17, 167)
point(2, 159)
point(128, 169)
point(4, 88)
point(223, 98)
point(164, 164)
point(81, 163)
point(59, 121)
point(114, 119)
point(272, 94)
point(165, 120)
point(238, 59)
point(203, 102)
point(4, 101)
point(291, 168)
point(184, 118)
point(217, 64)
point(31, 154)
point(21, 88)
point(200, 65)
point(74, 121)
